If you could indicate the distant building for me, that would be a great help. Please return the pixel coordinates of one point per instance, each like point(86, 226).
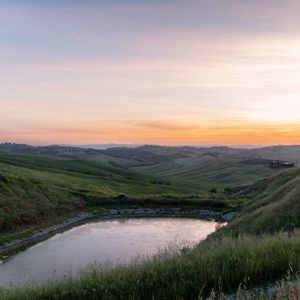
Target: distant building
point(277, 164)
point(273, 164)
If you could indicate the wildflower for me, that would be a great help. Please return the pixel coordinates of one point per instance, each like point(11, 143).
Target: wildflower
point(292, 294)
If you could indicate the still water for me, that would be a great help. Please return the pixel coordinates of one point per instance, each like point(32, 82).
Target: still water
point(116, 241)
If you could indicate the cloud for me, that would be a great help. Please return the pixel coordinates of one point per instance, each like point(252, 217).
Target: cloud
point(160, 126)
point(148, 67)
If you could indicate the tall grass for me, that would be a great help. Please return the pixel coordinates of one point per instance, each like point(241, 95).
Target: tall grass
point(219, 265)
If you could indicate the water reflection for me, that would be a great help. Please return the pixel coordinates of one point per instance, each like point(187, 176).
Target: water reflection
point(109, 240)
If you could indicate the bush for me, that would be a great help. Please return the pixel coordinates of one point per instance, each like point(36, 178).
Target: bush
point(213, 191)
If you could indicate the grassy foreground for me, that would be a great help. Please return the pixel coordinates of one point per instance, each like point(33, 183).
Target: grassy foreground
point(215, 265)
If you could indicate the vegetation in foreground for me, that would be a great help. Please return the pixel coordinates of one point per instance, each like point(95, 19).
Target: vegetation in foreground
point(218, 266)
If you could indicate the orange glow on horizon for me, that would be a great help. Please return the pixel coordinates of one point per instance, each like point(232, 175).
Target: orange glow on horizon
point(164, 133)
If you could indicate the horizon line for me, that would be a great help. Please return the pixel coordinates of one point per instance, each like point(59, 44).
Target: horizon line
point(115, 144)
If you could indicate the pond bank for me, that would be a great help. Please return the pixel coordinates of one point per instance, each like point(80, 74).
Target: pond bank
point(115, 213)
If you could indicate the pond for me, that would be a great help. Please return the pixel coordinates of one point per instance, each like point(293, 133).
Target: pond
point(113, 240)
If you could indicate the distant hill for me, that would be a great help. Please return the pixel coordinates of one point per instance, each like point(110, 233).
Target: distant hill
point(290, 153)
point(222, 165)
point(107, 146)
point(218, 165)
point(280, 152)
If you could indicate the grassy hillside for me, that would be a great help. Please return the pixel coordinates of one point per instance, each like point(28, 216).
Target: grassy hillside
point(32, 187)
point(273, 205)
point(220, 170)
point(214, 166)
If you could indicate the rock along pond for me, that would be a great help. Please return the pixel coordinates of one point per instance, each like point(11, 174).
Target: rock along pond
point(102, 241)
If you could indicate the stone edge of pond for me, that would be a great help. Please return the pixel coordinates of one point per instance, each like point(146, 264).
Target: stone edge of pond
point(13, 246)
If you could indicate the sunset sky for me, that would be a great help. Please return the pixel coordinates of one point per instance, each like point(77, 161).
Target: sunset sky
point(198, 72)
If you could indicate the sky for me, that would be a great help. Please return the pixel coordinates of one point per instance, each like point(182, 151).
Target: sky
point(198, 72)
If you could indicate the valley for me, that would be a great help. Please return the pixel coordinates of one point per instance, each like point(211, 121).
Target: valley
point(41, 188)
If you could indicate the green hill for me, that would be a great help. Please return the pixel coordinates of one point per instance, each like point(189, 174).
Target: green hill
point(216, 169)
point(272, 204)
point(37, 182)
point(34, 186)
point(213, 166)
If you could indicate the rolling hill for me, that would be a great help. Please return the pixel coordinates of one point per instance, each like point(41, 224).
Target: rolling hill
point(35, 186)
point(40, 181)
point(219, 169)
